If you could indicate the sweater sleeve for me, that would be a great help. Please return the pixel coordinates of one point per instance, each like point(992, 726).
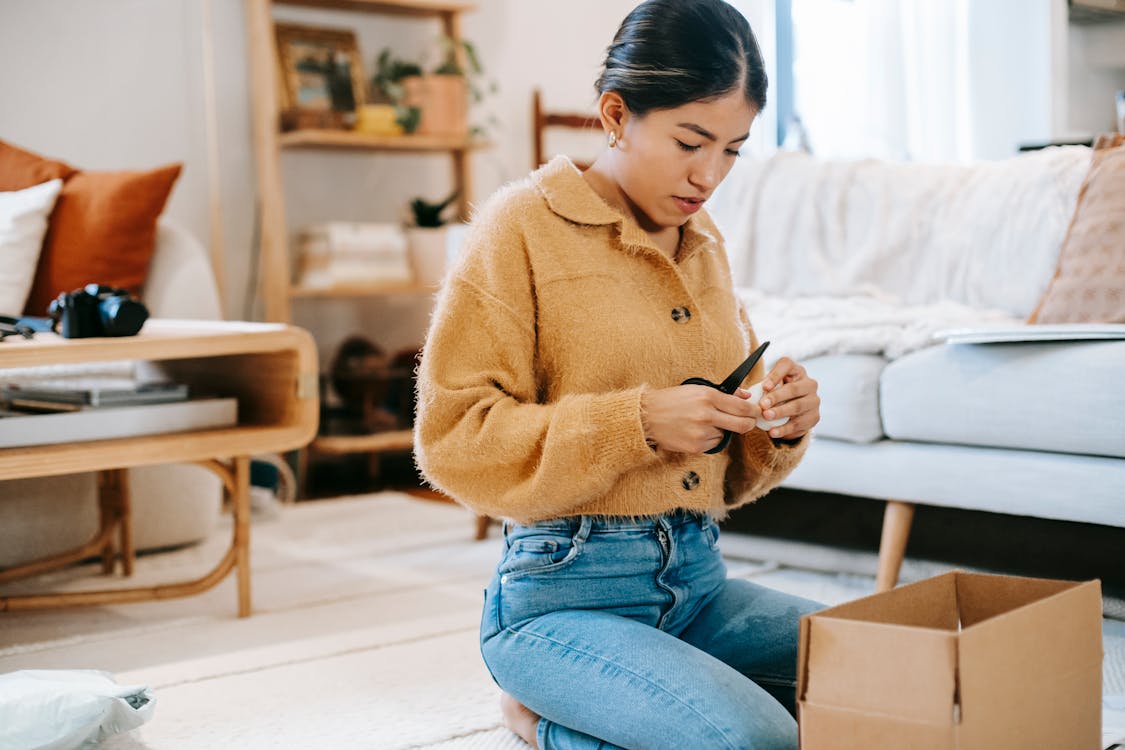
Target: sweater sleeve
point(483, 434)
point(758, 462)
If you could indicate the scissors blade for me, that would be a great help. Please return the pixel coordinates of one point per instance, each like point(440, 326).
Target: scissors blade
point(730, 385)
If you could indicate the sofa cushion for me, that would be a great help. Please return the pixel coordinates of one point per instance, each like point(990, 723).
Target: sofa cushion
point(1089, 283)
point(103, 230)
point(849, 396)
point(21, 169)
point(1059, 396)
point(23, 223)
point(1086, 489)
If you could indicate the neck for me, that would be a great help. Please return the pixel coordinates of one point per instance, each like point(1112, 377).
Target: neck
point(600, 177)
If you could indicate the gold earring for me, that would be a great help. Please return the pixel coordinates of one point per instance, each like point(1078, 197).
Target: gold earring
point(612, 139)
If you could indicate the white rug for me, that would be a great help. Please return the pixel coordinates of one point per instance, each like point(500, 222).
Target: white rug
point(364, 632)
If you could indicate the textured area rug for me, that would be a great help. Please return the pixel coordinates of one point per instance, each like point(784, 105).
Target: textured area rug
point(364, 631)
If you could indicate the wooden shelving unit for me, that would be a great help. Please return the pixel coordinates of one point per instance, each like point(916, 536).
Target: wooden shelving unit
point(360, 290)
point(402, 440)
point(348, 139)
point(275, 285)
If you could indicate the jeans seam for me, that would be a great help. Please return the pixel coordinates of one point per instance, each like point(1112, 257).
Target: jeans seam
point(642, 677)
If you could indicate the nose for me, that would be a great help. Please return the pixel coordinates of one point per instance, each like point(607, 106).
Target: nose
point(706, 174)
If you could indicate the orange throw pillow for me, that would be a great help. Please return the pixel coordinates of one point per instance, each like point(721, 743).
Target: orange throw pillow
point(1089, 283)
point(21, 169)
point(103, 230)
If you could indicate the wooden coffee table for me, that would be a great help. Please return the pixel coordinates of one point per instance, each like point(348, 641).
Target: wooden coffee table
point(271, 369)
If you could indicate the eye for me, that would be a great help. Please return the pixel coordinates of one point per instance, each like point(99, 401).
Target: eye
point(734, 152)
point(685, 147)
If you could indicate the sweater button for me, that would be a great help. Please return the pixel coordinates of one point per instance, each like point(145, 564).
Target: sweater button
point(690, 480)
point(681, 314)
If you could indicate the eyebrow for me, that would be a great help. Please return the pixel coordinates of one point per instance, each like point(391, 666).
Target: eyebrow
point(706, 133)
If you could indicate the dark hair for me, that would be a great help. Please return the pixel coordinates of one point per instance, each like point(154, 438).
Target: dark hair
point(668, 53)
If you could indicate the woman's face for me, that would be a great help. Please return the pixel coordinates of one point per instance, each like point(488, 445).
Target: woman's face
point(670, 161)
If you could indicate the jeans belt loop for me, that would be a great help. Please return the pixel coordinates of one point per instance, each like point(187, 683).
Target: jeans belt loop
point(583, 529)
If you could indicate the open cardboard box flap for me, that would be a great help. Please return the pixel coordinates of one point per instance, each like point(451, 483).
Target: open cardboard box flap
point(962, 660)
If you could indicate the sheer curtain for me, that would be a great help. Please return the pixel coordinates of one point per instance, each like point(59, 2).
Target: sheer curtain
point(884, 78)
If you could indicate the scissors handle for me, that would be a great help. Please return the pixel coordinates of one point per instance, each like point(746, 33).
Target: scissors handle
point(729, 386)
point(726, 433)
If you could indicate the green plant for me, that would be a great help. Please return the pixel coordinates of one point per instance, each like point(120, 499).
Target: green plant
point(408, 117)
point(386, 83)
point(428, 214)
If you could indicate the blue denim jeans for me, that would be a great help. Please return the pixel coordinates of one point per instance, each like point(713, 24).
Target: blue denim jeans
point(626, 633)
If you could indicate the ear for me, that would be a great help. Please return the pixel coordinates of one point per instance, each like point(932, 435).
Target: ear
point(612, 112)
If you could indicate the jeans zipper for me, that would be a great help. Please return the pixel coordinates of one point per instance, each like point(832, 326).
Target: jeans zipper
point(666, 548)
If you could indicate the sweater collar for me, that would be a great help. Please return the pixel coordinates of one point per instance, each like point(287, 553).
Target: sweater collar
point(571, 197)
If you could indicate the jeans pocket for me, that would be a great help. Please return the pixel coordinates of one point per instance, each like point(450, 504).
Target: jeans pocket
point(537, 552)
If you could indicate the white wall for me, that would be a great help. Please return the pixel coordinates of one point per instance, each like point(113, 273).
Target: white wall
point(118, 84)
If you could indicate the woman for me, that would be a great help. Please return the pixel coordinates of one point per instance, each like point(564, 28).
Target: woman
point(550, 395)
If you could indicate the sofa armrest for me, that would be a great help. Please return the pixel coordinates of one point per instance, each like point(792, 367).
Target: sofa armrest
point(180, 282)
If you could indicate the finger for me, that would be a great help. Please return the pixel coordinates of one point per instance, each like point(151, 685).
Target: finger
point(733, 423)
point(802, 411)
point(737, 406)
point(780, 369)
point(797, 425)
point(791, 429)
point(787, 392)
point(791, 409)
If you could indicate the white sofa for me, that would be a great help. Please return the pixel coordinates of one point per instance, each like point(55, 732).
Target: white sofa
point(172, 504)
point(851, 267)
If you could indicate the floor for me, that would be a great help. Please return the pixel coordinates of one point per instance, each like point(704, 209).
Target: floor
point(363, 633)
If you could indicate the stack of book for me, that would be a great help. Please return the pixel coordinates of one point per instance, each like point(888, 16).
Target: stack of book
point(72, 394)
point(64, 410)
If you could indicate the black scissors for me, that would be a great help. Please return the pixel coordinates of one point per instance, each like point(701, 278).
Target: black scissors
point(730, 385)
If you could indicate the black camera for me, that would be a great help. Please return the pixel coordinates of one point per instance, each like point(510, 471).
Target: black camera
point(96, 310)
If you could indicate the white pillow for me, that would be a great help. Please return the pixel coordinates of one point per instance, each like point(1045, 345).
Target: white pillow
point(23, 223)
point(67, 709)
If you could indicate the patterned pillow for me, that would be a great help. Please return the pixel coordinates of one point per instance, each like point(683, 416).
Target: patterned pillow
point(1089, 282)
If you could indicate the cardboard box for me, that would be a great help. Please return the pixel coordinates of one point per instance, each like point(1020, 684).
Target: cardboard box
point(961, 661)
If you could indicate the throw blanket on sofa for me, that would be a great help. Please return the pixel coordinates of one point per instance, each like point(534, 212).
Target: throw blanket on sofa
point(804, 327)
point(874, 257)
point(985, 235)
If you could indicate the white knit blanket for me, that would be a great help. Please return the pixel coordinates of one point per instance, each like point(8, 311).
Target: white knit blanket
point(804, 327)
point(985, 235)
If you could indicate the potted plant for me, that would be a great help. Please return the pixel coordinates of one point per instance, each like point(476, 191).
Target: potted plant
point(388, 113)
point(444, 94)
point(427, 239)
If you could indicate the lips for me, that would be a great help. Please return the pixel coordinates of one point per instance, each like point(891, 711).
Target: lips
point(688, 205)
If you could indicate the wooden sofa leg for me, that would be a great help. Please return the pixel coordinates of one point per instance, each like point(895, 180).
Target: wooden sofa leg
point(481, 530)
point(892, 548)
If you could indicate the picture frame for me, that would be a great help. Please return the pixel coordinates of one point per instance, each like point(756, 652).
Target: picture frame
point(321, 73)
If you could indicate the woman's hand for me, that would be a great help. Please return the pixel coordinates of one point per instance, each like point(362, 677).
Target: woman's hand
point(788, 391)
point(691, 418)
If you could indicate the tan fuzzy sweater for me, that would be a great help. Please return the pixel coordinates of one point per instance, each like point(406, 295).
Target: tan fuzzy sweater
point(556, 317)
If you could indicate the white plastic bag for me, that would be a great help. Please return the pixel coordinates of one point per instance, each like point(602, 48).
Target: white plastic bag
point(49, 709)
